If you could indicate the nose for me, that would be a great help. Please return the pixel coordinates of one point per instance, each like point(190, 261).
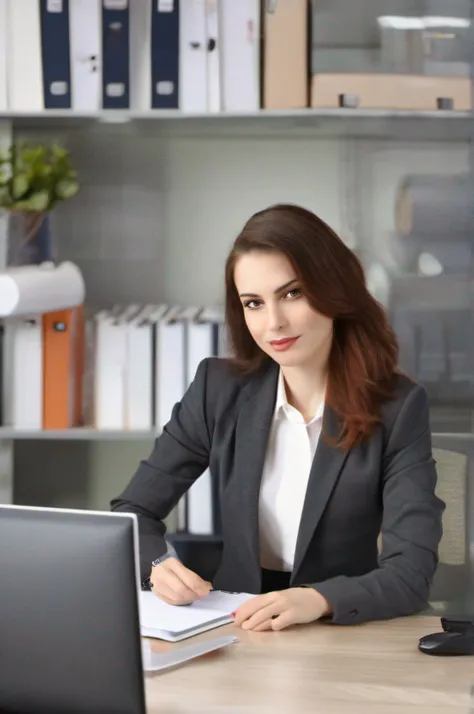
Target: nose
point(276, 318)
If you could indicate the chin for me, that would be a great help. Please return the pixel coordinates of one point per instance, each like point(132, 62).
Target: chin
point(287, 360)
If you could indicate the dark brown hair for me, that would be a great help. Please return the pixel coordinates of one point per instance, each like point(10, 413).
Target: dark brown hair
point(364, 353)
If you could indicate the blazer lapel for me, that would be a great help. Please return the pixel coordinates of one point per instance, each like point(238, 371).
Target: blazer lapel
point(326, 467)
point(240, 507)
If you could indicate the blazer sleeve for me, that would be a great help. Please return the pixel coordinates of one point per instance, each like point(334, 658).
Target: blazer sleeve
point(411, 528)
point(180, 455)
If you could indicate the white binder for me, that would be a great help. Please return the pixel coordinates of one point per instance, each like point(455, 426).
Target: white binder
point(192, 57)
point(213, 45)
point(3, 55)
point(85, 28)
point(140, 55)
point(24, 57)
point(170, 365)
point(199, 345)
point(170, 376)
point(240, 55)
point(110, 371)
point(24, 373)
point(199, 341)
point(139, 375)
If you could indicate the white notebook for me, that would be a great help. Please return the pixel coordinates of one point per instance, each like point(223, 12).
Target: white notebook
point(177, 622)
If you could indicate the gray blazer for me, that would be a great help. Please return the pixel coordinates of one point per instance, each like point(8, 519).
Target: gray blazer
point(387, 483)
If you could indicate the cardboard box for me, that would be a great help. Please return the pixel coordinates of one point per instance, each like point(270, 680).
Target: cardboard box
point(390, 91)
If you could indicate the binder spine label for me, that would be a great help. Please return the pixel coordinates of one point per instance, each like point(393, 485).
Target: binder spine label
point(165, 5)
point(54, 6)
point(115, 4)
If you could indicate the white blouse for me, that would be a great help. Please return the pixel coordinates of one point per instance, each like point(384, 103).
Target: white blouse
point(291, 448)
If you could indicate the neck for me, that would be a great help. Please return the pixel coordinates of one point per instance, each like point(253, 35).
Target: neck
point(306, 387)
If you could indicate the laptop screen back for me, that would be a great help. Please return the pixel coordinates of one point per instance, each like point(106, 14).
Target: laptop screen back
point(69, 627)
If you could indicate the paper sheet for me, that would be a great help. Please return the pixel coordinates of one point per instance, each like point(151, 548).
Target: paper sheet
point(158, 615)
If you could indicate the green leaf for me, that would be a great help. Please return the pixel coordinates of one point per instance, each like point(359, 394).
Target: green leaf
point(5, 198)
point(38, 201)
point(20, 185)
point(59, 152)
point(21, 206)
point(66, 188)
point(36, 176)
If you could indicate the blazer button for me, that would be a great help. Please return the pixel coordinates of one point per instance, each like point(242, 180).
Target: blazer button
point(353, 613)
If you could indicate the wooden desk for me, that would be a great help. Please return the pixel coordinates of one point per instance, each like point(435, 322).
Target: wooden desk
point(374, 668)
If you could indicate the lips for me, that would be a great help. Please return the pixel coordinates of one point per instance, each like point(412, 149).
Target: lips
point(283, 344)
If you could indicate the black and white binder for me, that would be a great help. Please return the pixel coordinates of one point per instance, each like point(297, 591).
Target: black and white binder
point(115, 54)
point(55, 54)
point(165, 54)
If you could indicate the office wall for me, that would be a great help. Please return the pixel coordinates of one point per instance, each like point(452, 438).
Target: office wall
point(157, 216)
point(155, 219)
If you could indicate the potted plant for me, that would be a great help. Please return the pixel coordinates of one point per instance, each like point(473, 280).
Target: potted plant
point(33, 179)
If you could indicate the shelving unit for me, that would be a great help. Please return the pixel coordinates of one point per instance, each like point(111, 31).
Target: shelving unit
point(75, 434)
point(164, 194)
point(355, 123)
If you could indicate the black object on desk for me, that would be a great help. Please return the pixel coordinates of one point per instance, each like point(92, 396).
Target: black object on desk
point(456, 639)
point(458, 623)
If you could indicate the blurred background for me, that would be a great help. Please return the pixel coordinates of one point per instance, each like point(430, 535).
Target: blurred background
point(183, 118)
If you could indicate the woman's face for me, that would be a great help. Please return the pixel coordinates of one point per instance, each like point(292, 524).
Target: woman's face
point(277, 313)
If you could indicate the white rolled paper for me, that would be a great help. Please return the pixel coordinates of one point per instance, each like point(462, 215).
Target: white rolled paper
point(35, 289)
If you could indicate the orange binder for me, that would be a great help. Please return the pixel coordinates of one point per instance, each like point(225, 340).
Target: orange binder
point(63, 368)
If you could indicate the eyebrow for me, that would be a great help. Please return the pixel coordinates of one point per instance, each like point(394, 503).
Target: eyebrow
point(278, 290)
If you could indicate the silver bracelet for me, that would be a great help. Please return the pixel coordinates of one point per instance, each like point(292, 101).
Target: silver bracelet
point(170, 553)
point(161, 560)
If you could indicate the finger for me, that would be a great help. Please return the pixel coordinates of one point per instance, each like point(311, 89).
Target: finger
point(190, 579)
point(163, 591)
point(177, 590)
point(264, 626)
point(266, 613)
point(249, 608)
point(164, 599)
point(286, 619)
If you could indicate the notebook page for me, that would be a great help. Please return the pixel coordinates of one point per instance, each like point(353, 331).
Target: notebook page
point(223, 602)
point(158, 615)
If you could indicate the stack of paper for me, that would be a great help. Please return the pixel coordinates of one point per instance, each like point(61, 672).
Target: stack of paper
point(177, 622)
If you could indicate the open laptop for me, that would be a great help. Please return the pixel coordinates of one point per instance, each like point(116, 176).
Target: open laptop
point(69, 619)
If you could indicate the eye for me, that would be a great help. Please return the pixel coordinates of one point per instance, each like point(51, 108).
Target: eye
point(293, 293)
point(252, 304)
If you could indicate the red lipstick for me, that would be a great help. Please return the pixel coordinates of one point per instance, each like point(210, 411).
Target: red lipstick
point(284, 344)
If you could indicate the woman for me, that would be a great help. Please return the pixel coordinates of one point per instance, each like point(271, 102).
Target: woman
point(318, 443)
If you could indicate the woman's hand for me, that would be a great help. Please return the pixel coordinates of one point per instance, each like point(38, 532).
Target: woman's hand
point(175, 584)
point(277, 610)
